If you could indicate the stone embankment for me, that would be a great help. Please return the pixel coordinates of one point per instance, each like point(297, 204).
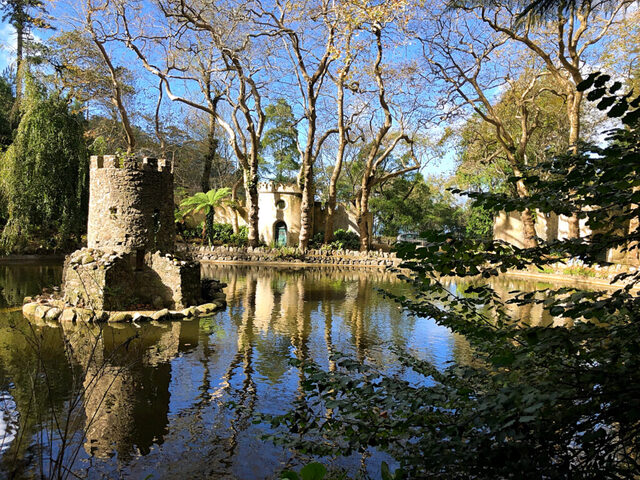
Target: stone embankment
point(51, 307)
point(266, 255)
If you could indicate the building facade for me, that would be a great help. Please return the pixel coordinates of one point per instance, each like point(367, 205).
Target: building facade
point(279, 208)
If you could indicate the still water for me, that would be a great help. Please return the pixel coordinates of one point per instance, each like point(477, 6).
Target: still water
point(177, 399)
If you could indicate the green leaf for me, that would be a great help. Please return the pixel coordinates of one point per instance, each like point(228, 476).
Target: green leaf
point(385, 473)
point(313, 471)
point(289, 475)
point(605, 103)
point(596, 94)
point(587, 82)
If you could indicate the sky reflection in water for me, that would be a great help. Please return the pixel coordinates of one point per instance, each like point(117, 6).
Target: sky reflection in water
point(155, 398)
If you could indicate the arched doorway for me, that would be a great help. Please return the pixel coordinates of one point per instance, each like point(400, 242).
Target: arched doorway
point(280, 234)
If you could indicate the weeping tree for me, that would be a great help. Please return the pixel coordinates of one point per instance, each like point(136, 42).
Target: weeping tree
point(44, 174)
point(6, 104)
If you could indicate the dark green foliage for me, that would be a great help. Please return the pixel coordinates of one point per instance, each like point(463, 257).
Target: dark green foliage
point(411, 204)
point(205, 203)
point(345, 240)
point(311, 471)
point(6, 104)
point(18, 13)
point(280, 142)
point(221, 232)
point(479, 222)
point(240, 239)
point(532, 402)
point(45, 172)
point(317, 240)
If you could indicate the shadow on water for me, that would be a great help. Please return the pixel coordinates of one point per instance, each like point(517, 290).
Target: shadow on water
point(177, 400)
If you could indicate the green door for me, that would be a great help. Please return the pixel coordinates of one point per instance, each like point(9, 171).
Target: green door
point(281, 234)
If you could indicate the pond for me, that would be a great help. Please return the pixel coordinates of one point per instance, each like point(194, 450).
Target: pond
point(177, 399)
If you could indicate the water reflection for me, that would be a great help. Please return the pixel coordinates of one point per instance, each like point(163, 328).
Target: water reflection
point(127, 373)
point(18, 280)
point(177, 399)
point(532, 314)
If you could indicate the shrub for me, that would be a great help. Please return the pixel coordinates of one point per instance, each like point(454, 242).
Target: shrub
point(317, 240)
point(568, 394)
point(579, 271)
point(345, 240)
point(221, 232)
point(239, 239)
point(288, 253)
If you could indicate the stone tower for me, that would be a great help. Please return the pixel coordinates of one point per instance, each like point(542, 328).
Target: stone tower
point(130, 205)
point(130, 239)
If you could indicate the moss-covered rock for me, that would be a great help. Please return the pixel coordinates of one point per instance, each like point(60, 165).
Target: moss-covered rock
point(29, 309)
point(119, 317)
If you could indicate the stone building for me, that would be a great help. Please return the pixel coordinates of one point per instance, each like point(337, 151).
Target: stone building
point(279, 207)
point(130, 234)
point(507, 226)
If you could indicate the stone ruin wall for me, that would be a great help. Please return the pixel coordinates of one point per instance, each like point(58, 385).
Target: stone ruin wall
point(507, 226)
point(131, 234)
point(269, 194)
point(112, 281)
point(182, 276)
point(131, 204)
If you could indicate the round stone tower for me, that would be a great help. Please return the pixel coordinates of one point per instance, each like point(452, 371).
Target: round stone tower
point(131, 205)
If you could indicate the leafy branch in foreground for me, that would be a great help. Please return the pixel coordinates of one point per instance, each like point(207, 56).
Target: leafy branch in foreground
point(537, 402)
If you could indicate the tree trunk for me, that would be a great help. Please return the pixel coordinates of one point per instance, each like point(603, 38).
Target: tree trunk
point(212, 145)
point(528, 222)
point(573, 112)
point(363, 216)
point(209, 225)
point(528, 225)
point(14, 116)
point(234, 200)
point(337, 168)
point(363, 227)
point(251, 187)
point(329, 214)
point(306, 209)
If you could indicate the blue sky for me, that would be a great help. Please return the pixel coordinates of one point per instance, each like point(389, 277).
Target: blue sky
point(445, 166)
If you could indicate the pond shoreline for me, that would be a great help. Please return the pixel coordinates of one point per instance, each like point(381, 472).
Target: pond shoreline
point(348, 260)
point(294, 263)
point(573, 279)
point(32, 258)
point(275, 256)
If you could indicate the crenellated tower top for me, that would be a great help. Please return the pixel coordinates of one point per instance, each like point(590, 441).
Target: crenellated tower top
point(131, 204)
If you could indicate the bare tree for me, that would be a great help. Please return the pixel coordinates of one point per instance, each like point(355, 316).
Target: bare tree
point(99, 15)
point(460, 54)
point(235, 57)
point(309, 45)
point(384, 143)
point(343, 140)
point(562, 42)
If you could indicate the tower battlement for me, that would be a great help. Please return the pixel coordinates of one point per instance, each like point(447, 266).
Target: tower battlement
point(147, 164)
point(273, 187)
point(130, 204)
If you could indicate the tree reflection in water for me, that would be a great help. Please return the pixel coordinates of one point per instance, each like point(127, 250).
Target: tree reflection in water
point(178, 399)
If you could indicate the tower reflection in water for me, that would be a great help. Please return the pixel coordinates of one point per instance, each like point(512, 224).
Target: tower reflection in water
point(127, 373)
point(179, 398)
